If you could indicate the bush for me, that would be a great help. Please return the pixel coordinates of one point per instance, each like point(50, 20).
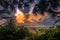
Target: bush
point(46, 34)
point(51, 34)
point(11, 33)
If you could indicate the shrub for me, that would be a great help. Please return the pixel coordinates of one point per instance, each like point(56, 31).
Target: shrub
point(46, 34)
point(51, 34)
point(10, 33)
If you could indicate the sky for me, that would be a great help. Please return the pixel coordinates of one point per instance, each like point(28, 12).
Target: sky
point(31, 5)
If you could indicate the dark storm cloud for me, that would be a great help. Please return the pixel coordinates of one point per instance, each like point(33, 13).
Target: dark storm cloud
point(36, 5)
point(51, 6)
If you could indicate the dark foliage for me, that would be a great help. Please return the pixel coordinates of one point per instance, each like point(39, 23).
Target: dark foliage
point(11, 32)
point(51, 34)
point(8, 33)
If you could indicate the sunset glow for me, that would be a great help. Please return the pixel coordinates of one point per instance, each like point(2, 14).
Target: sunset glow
point(21, 17)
